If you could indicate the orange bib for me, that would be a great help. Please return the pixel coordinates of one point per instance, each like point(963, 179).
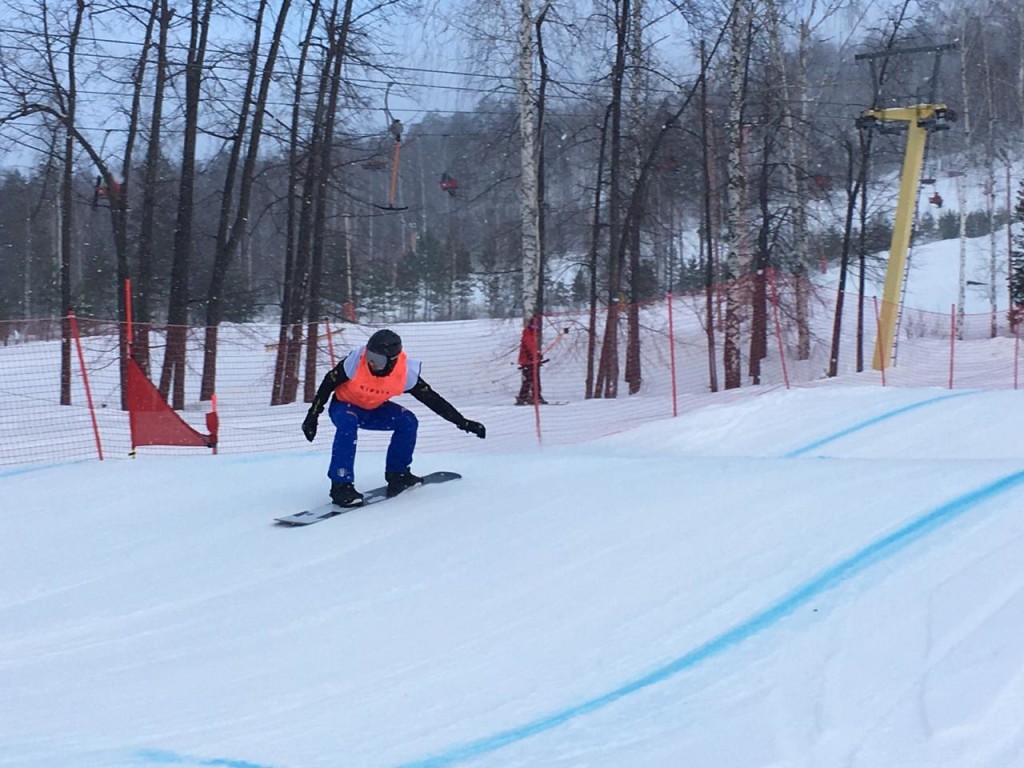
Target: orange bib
point(368, 391)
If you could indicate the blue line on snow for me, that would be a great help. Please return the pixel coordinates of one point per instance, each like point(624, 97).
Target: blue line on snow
point(14, 471)
point(164, 757)
point(870, 422)
point(875, 552)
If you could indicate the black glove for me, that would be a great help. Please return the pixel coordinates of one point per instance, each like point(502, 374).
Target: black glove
point(474, 427)
point(309, 425)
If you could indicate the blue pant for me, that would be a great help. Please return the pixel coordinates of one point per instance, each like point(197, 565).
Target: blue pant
point(349, 419)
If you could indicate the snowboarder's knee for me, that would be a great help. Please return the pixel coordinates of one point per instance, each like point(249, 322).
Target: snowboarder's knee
point(406, 421)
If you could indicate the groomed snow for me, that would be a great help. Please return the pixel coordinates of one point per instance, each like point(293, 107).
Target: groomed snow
point(820, 577)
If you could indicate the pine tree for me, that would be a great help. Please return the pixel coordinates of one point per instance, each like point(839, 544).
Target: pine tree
point(1017, 259)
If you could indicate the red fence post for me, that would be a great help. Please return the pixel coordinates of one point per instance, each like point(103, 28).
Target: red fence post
point(672, 357)
point(128, 330)
point(538, 356)
point(213, 422)
point(778, 326)
point(85, 381)
point(881, 357)
point(330, 340)
point(1016, 353)
point(952, 341)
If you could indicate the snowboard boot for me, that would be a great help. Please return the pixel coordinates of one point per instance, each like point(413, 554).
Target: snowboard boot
point(399, 481)
point(345, 495)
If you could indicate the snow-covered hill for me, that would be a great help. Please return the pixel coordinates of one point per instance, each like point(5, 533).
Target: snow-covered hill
point(826, 577)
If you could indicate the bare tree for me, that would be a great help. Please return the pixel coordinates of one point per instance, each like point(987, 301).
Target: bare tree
point(120, 187)
point(592, 257)
point(638, 91)
point(161, 15)
point(172, 377)
point(66, 94)
point(295, 277)
point(607, 381)
point(47, 85)
point(528, 148)
point(338, 30)
point(737, 262)
point(1020, 61)
point(234, 220)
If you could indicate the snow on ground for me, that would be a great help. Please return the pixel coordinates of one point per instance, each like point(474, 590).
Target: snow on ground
point(826, 576)
point(819, 577)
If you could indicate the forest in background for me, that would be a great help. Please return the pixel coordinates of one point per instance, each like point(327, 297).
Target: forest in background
point(219, 156)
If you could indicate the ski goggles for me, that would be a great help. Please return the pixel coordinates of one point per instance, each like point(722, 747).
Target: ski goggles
point(377, 361)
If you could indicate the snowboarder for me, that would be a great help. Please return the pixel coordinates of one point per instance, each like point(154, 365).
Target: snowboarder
point(529, 363)
point(363, 384)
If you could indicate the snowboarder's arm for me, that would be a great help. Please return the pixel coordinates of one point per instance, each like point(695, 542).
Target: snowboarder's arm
point(332, 379)
point(426, 395)
point(423, 392)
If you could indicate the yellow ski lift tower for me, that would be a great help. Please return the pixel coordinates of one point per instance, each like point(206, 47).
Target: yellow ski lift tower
point(918, 121)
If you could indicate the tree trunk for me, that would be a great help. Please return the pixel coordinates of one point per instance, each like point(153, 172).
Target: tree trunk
point(710, 233)
point(338, 34)
point(117, 199)
point(66, 199)
point(990, 188)
point(172, 377)
point(230, 232)
point(607, 382)
point(759, 298)
point(289, 349)
point(161, 14)
point(528, 147)
point(1020, 61)
point(737, 261)
point(633, 372)
point(595, 245)
point(795, 147)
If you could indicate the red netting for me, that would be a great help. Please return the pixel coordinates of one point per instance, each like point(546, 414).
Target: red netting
point(474, 364)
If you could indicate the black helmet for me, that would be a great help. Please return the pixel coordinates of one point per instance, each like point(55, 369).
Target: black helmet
point(385, 342)
point(382, 351)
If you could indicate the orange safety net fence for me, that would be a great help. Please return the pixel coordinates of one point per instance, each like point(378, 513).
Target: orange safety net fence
point(474, 365)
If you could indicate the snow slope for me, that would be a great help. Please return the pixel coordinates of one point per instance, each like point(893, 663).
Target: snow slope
point(818, 577)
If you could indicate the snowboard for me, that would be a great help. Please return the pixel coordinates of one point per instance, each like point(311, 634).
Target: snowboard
point(375, 496)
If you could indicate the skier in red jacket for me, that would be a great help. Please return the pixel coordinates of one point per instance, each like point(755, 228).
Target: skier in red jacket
point(530, 363)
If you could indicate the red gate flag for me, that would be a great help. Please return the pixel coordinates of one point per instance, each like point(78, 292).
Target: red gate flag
point(154, 422)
